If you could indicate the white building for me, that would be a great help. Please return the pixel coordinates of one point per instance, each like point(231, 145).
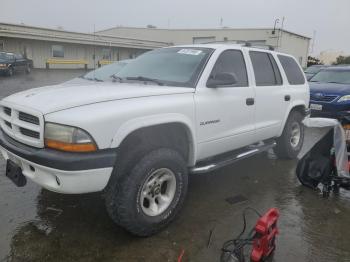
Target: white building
point(328, 57)
point(282, 40)
point(41, 44)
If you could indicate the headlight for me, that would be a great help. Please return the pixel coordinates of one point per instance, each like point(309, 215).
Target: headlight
point(344, 98)
point(68, 138)
point(2, 65)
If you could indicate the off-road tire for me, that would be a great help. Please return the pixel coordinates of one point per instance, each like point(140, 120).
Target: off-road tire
point(123, 192)
point(284, 148)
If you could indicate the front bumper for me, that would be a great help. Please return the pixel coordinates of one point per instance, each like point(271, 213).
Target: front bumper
point(331, 110)
point(62, 172)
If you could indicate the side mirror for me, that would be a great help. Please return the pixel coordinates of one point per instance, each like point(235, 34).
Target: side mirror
point(222, 80)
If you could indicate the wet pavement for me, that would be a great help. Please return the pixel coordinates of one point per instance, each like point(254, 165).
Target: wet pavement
point(38, 225)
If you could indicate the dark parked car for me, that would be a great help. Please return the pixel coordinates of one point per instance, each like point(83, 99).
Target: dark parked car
point(313, 70)
point(11, 63)
point(330, 92)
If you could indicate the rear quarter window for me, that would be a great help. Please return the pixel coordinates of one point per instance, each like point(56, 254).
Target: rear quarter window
point(294, 75)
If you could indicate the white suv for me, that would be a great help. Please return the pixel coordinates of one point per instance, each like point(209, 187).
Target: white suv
point(170, 112)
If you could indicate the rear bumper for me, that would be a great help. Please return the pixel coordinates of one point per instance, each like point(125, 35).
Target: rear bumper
point(71, 173)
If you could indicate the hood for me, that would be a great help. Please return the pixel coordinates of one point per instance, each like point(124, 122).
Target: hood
point(58, 97)
point(3, 61)
point(329, 88)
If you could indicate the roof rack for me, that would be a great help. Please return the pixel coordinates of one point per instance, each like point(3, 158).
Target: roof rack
point(243, 43)
point(269, 47)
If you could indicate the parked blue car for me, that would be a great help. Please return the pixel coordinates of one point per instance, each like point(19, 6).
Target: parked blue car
point(330, 93)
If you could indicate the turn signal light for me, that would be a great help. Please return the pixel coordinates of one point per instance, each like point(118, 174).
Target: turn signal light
point(88, 147)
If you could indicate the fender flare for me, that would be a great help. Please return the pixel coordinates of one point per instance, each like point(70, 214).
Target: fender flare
point(140, 122)
point(293, 105)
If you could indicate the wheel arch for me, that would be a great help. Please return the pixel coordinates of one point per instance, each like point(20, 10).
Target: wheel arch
point(166, 129)
point(296, 106)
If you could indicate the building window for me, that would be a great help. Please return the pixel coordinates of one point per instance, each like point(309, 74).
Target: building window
point(2, 45)
point(106, 54)
point(225, 39)
point(57, 51)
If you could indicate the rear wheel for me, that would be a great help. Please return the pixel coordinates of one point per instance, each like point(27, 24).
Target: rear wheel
point(148, 196)
point(291, 141)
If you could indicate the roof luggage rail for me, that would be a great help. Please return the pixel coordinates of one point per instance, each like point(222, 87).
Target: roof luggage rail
point(262, 46)
point(243, 43)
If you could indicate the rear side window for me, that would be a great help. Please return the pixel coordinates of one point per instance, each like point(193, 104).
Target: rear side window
point(293, 72)
point(232, 61)
point(265, 69)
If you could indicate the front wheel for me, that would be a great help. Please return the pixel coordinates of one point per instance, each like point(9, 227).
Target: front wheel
point(148, 196)
point(291, 141)
point(10, 71)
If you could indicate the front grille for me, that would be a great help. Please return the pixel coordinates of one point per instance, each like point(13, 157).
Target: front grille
point(30, 133)
point(22, 125)
point(7, 111)
point(28, 118)
point(323, 98)
point(8, 124)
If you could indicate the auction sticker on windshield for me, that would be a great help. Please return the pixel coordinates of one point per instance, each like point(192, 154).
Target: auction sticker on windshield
point(189, 52)
point(316, 107)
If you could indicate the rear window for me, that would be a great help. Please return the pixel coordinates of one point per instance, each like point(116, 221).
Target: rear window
point(294, 75)
point(265, 69)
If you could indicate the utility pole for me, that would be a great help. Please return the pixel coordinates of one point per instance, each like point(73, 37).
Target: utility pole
point(313, 42)
point(94, 55)
point(280, 32)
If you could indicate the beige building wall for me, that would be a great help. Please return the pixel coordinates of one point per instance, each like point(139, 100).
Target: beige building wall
point(295, 45)
point(282, 40)
point(329, 57)
point(40, 51)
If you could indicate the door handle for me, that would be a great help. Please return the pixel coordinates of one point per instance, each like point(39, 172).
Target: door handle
point(287, 98)
point(249, 101)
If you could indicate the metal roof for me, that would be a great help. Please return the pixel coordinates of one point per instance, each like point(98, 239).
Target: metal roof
point(204, 29)
point(57, 35)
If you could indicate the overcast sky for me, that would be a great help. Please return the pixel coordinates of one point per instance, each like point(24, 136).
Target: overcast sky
point(329, 18)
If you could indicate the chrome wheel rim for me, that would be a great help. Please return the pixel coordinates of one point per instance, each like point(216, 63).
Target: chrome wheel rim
point(158, 192)
point(295, 134)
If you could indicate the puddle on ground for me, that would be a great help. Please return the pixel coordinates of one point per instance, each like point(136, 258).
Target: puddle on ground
point(38, 225)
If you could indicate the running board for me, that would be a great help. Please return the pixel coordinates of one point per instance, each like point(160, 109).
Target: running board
point(242, 154)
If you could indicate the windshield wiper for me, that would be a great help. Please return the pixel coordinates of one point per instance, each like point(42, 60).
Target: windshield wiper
point(117, 78)
point(143, 78)
point(333, 82)
point(92, 79)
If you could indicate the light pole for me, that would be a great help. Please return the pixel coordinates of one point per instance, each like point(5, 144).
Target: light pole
point(274, 26)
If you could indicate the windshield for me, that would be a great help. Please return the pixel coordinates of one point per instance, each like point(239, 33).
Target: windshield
point(313, 69)
point(4, 56)
point(332, 76)
point(175, 66)
point(105, 72)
